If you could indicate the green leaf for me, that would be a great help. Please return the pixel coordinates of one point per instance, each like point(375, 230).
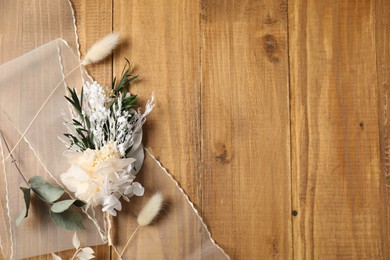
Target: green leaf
point(24, 214)
point(74, 100)
point(76, 122)
point(125, 81)
point(79, 203)
point(45, 190)
point(68, 219)
point(113, 83)
point(81, 98)
point(63, 205)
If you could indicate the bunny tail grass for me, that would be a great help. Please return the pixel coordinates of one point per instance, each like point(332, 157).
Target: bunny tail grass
point(146, 216)
point(150, 210)
point(101, 49)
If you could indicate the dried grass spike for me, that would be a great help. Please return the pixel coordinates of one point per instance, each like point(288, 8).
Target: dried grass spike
point(150, 210)
point(101, 49)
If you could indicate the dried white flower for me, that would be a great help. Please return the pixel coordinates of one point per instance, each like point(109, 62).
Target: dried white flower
point(150, 210)
point(101, 177)
point(109, 122)
point(101, 49)
point(85, 253)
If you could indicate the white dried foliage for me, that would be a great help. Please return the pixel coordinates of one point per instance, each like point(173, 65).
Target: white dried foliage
point(101, 49)
point(150, 210)
point(85, 253)
point(76, 241)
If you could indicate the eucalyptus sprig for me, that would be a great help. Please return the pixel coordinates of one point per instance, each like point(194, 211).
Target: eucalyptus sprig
point(61, 211)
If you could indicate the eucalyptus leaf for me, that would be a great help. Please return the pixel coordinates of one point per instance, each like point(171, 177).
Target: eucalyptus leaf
point(79, 203)
point(45, 190)
point(68, 219)
point(61, 206)
point(24, 214)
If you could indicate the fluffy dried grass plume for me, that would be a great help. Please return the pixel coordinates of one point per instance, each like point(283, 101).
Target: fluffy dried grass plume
point(150, 210)
point(101, 49)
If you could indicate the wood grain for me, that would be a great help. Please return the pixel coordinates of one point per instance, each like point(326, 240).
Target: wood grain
point(382, 32)
point(245, 127)
point(225, 75)
point(161, 39)
point(337, 181)
point(7, 35)
point(94, 20)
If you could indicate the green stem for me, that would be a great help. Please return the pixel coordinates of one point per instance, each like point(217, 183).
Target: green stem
point(13, 159)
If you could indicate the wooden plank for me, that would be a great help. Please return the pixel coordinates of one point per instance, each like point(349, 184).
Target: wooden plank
point(382, 32)
point(337, 181)
point(245, 127)
point(161, 39)
point(94, 20)
point(9, 35)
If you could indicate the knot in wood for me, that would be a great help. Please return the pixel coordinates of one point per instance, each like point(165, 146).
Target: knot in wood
point(269, 43)
point(270, 46)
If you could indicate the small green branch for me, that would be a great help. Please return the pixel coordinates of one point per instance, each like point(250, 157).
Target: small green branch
point(13, 159)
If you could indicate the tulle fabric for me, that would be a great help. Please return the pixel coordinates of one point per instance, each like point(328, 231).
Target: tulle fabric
point(25, 84)
point(178, 232)
point(32, 89)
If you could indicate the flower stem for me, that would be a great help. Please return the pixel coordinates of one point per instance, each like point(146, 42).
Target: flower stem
point(110, 234)
point(109, 229)
point(75, 253)
point(128, 241)
point(13, 159)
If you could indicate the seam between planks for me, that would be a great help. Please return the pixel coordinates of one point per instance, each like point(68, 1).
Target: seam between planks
point(201, 167)
point(290, 133)
point(383, 138)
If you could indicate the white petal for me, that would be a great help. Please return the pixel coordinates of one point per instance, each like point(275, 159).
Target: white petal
point(84, 256)
point(129, 191)
point(85, 253)
point(120, 163)
point(76, 241)
point(87, 250)
point(138, 190)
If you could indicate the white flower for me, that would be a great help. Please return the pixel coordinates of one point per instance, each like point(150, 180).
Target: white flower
point(101, 177)
point(85, 253)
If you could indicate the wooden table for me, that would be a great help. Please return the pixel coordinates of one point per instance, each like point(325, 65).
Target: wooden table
point(272, 115)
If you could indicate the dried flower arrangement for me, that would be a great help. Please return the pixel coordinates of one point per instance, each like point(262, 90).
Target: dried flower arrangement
point(104, 126)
